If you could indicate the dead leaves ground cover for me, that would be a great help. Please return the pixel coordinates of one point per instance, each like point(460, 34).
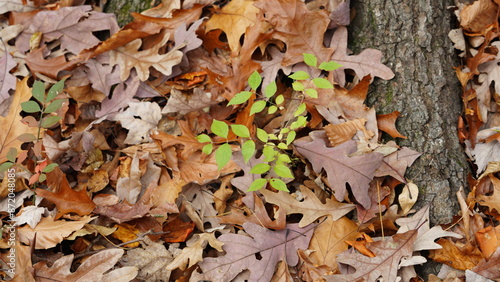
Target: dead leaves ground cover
point(133, 197)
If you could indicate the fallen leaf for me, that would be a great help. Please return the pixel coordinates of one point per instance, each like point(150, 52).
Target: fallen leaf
point(192, 253)
point(476, 17)
point(460, 257)
point(177, 230)
point(488, 240)
point(489, 267)
point(341, 169)
point(311, 207)
point(49, 232)
point(7, 80)
point(340, 133)
point(387, 123)
point(139, 119)
point(395, 164)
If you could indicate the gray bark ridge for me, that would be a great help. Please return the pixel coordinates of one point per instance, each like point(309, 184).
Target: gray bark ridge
point(412, 35)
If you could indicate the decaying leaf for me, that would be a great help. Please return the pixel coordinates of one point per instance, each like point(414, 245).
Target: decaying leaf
point(192, 254)
point(139, 119)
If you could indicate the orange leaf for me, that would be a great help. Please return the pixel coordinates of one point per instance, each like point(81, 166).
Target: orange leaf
point(387, 123)
point(489, 240)
point(459, 257)
point(125, 233)
point(50, 67)
point(178, 230)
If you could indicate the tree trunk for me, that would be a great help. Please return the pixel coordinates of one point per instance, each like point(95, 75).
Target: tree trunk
point(123, 8)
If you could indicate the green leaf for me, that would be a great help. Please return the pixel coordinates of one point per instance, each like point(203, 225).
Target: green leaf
point(30, 107)
point(272, 110)
point(240, 130)
point(5, 166)
point(12, 154)
point(322, 83)
point(54, 106)
point(55, 90)
point(203, 138)
point(257, 184)
point(223, 155)
point(329, 66)
point(262, 135)
point(50, 121)
point(278, 184)
point(49, 167)
point(26, 137)
point(207, 149)
point(240, 98)
point(290, 137)
point(42, 177)
point(260, 168)
point(220, 128)
point(283, 158)
point(257, 107)
point(300, 110)
point(311, 92)
point(284, 130)
point(271, 89)
point(282, 146)
point(283, 171)
point(310, 60)
point(300, 75)
point(269, 153)
point(247, 150)
point(298, 86)
point(38, 91)
point(254, 80)
point(301, 121)
point(279, 99)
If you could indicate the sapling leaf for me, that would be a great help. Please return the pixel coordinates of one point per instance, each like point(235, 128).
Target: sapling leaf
point(254, 80)
point(240, 98)
point(300, 110)
point(271, 89)
point(49, 121)
point(311, 92)
point(300, 75)
point(223, 155)
point(269, 153)
point(260, 168)
point(298, 86)
point(283, 171)
point(220, 128)
point(310, 60)
point(290, 137)
point(278, 184)
point(38, 91)
point(203, 138)
point(247, 150)
point(26, 137)
point(279, 99)
point(5, 166)
point(55, 90)
point(262, 135)
point(12, 154)
point(54, 106)
point(272, 109)
point(282, 146)
point(283, 158)
point(322, 83)
point(258, 107)
point(329, 66)
point(257, 184)
point(31, 107)
point(301, 121)
point(207, 149)
point(49, 167)
point(42, 177)
point(240, 130)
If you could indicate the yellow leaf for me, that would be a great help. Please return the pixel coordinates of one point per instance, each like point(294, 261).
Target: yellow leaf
point(11, 126)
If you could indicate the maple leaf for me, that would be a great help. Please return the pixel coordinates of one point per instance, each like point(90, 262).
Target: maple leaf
point(129, 57)
point(192, 254)
point(311, 207)
point(234, 19)
point(301, 30)
point(64, 24)
point(11, 127)
point(92, 269)
point(139, 119)
point(367, 62)
point(358, 171)
point(388, 255)
point(241, 251)
point(49, 233)
point(7, 80)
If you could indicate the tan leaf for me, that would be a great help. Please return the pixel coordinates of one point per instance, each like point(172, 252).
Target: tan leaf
point(91, 269)
point(10, 126)
point(311, 208)
point(408, 197)
point(282, 274)
point(49, 233)
point(192, 254)
point(457, 256)
point(328, 241)
point(339, 133)
point(476, 17)
point(492, 201)
point(233, 19)
point(129, 57)
point(139, 119)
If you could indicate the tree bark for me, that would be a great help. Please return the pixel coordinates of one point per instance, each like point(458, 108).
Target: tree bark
point(123, 8)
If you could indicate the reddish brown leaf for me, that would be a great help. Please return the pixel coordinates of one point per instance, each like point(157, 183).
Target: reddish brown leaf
point(177, 230)
point(387, 123)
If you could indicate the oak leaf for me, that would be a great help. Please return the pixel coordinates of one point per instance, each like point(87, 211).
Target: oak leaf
point(385, 264)
point(489, 268)
point(241, 252)
point(123, 94)
point(341, 169)
point(395, 164)
point(311, 207)
point(234, 19)
point(92, 269)
point(387, 123)
point(192, 253)
point(37, 63)
point(16, 5)
point(10, 126)
point(7, 80)
point(49, 233)
point(139, 119)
